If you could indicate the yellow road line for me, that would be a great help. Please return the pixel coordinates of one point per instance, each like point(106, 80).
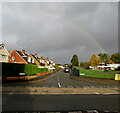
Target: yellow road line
point(30, 82)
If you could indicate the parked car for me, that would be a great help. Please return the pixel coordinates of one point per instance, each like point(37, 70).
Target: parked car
point(51, 68)
point(67, 70)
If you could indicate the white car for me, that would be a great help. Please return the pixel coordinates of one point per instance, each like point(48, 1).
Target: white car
point(51, 68)
point(67, 70)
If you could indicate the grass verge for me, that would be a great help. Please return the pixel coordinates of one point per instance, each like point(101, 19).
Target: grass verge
point(97, 74)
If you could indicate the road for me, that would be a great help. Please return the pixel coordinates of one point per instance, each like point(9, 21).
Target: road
point(59, 102)
point(59, 79)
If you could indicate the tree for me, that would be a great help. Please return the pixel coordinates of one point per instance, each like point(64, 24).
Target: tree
point(115, 57)
point(84, 65)
point(110, 61)
point(75, 61)
point(94, 60)
point(104, 57)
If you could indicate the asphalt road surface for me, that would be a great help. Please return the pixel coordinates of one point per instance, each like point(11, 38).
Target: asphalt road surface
point(66, 102)
point(59, 79)
point(29, 102)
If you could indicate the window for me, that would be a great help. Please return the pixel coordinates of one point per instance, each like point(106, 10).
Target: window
point(13, 58)
point(47, 62)
point(33, 60)
point(4, 57)
point(29, 59)
point(40, 61)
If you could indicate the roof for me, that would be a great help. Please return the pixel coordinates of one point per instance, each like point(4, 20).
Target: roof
point(35, 58)
point(3, 50)
point(21, 53)
point(2, 46)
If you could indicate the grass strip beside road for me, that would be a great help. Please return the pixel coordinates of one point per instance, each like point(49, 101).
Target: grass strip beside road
point(97, 74)
point(96, 80)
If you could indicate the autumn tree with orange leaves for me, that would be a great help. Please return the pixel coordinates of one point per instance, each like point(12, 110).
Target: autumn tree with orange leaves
point(94, 60)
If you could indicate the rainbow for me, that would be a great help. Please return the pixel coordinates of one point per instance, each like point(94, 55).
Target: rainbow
point(78, 26)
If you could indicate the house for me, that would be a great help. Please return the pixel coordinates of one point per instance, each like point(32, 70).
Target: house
point(108, 66)
point(34, 59)
point(3, 53)
point(45, 62)
point(49, 63)
point(20, 57)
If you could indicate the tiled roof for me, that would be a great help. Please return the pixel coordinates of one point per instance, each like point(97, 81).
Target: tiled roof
point(22, 55)
point(35, 58)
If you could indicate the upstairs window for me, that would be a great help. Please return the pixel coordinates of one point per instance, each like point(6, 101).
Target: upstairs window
point(4, 57)
point(40, 61)
point(33, 60)
point(29, 59)
point(13, 58)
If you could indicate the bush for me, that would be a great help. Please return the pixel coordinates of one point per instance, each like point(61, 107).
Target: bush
point(13, 69)
point(42, 70)
point(56, 67)
point(75, 71)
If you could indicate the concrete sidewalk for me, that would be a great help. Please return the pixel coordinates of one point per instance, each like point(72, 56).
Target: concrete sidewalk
point(47, 90)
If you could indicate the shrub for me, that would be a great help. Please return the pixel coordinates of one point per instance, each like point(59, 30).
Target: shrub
point(75, 71)
point(13, 69)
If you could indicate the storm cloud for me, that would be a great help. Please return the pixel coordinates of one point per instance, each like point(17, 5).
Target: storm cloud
point(59, 30)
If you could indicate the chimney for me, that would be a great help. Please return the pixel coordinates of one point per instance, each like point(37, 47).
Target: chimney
point(23, 51)
point(36, 56)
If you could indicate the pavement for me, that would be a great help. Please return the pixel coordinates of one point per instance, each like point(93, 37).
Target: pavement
point(32, 102)
point(57, 91)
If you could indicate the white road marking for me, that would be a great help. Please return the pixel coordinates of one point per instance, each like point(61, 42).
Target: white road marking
point(97, 93)
point(59, 84)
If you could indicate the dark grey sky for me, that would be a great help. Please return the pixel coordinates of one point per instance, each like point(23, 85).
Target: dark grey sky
point(59, 30)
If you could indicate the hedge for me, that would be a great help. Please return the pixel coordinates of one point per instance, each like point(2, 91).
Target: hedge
point(13, 69)
point(75, 71)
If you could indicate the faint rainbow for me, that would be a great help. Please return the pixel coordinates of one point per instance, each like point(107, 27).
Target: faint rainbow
point(84, 31)
point(87, 34)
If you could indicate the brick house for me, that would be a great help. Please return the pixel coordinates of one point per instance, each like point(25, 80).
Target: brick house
point(23, 58)
point(20, 57)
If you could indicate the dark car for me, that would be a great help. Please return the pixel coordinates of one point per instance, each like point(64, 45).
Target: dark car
point(67, 70)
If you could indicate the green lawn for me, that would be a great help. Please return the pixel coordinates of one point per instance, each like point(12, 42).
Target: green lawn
point(97, 73)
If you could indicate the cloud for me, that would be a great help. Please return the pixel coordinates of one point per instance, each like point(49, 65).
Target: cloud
point(59, 30)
